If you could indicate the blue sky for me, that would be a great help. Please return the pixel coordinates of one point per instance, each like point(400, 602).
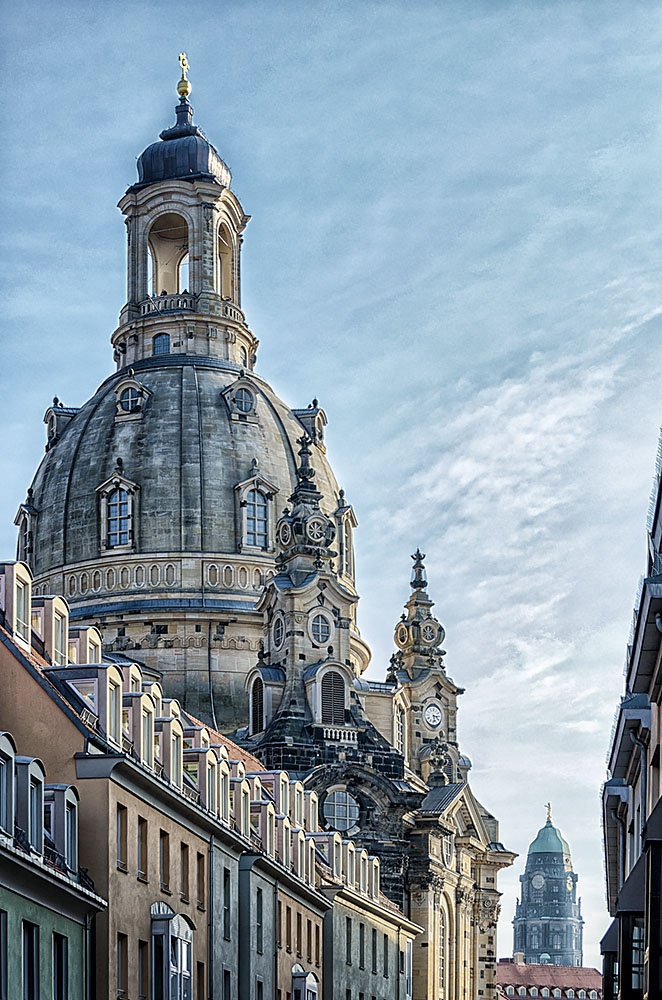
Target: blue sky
point(455, 246)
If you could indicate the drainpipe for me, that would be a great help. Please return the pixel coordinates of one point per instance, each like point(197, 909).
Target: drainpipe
point(621, 847)
point(210, 958)
point(644, 779)
point(211, 687)
point(276, 942)
point(88, 957)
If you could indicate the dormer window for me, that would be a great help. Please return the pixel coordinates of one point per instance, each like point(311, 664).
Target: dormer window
point(333, 698)
point(36, 814)
point(115, 712)
point(7, 753)
point(59, 640)
point(241, 400)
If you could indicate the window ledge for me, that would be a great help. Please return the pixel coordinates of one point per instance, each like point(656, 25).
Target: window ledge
point(142, 877)
point(166, 890)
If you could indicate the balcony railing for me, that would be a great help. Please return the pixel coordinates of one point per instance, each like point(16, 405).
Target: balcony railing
point(175, 302)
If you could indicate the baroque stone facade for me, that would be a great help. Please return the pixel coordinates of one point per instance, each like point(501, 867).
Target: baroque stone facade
point(194, 519)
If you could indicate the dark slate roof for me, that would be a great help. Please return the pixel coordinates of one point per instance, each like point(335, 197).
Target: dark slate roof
point(438, 799)
point(183, 153)
point(272, 674)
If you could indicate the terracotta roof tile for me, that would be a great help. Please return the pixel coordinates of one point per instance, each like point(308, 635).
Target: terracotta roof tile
point(235, 752)
point(562, 976)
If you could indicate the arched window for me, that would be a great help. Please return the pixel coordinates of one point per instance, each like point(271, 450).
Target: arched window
point(130, 399)
point(161, 344)
point(150, 271)
point(183, 274)
point(348, 561)
point(333, 698)
point(256, 518)
point(168, 243)
point(225, 284)
point(442, 953)
point(257, 706)
point(399, 730)
point(119, 519)
point(341, 811)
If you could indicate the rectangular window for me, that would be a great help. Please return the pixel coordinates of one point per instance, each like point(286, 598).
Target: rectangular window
point(279, 923)
point(30, 961)
point(148, 739)
point(348, 940)
point(317, 944)
point(374, 950)
point(259, 989)
point(386, 955)
point(22, 625)
point(142, 848)
point(309, 940)
point(226, 904)
point(60, 967)
point(3, 955)
point(409, 970)
point(4, 793)
point(176, 774)
point(288, 928)
point(143, 970)
point(227, 985)
point(258, 922)
point(121, 839)
point(183, 873)
point(59, 651)
point(122, 965)
point(362, 946)
point(35, 816)
point(200, 977)
point(201, 881)
point(114, 712)
point(299, 935)
point(638, 953)
point(211, 788)
point(70, 846)
point(164, 860)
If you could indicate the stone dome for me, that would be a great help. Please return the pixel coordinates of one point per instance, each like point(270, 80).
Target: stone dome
point(182, 153)
point(549, 841)
point(185, 454)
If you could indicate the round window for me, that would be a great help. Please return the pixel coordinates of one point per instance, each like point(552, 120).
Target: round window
point(321, 630)
point(244, 400)
point(130, 400)
point(341, 810)
point(278, 632)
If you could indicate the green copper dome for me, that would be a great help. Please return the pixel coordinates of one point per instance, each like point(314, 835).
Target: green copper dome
point(549, 841)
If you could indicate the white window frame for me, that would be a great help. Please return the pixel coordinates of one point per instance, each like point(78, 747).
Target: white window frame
point(105, 491)
point(269, 491)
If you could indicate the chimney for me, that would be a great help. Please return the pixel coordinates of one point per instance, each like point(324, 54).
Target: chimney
point(518, 958)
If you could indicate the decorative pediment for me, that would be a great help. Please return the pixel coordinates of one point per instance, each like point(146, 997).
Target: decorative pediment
point(131, 396)
point(241, 399)
point(117, 482)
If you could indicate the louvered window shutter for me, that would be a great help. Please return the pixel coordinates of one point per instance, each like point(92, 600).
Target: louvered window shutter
point(257, 706)
point(333, 699)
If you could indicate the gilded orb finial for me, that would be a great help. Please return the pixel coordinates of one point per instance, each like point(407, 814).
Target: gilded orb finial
point(183, 87)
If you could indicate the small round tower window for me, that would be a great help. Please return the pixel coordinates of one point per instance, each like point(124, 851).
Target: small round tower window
point(244, 400)
point(320, 629)
point(279, 632)
point(130, 400)
point(341, 810)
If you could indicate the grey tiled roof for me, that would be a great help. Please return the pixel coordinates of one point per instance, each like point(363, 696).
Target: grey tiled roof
point(440, 798)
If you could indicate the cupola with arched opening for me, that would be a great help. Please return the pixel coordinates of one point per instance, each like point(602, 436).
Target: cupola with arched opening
point(184, 228)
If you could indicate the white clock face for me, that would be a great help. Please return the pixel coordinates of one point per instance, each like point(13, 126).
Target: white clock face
point(316, 529)
point(429, 633)
point(433, 715)
point(402, 635)
point(284, 534)
point(537, 881)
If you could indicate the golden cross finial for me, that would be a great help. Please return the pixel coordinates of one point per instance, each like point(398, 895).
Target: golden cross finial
point(548, 806)
point(183, 87)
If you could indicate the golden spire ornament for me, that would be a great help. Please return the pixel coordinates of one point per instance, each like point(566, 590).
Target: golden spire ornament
point(549, 811)
point(183, 87)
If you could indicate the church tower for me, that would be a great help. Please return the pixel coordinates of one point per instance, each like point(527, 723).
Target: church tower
point(548, 925)
point(154, 509)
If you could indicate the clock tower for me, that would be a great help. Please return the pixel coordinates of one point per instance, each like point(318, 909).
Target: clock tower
point(425, 703)
point(548, 925)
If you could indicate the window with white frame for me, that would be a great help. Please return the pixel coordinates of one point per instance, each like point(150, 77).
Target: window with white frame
point(256, 519)
point(23, 609)
point(59, 640)
point(117, 498)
